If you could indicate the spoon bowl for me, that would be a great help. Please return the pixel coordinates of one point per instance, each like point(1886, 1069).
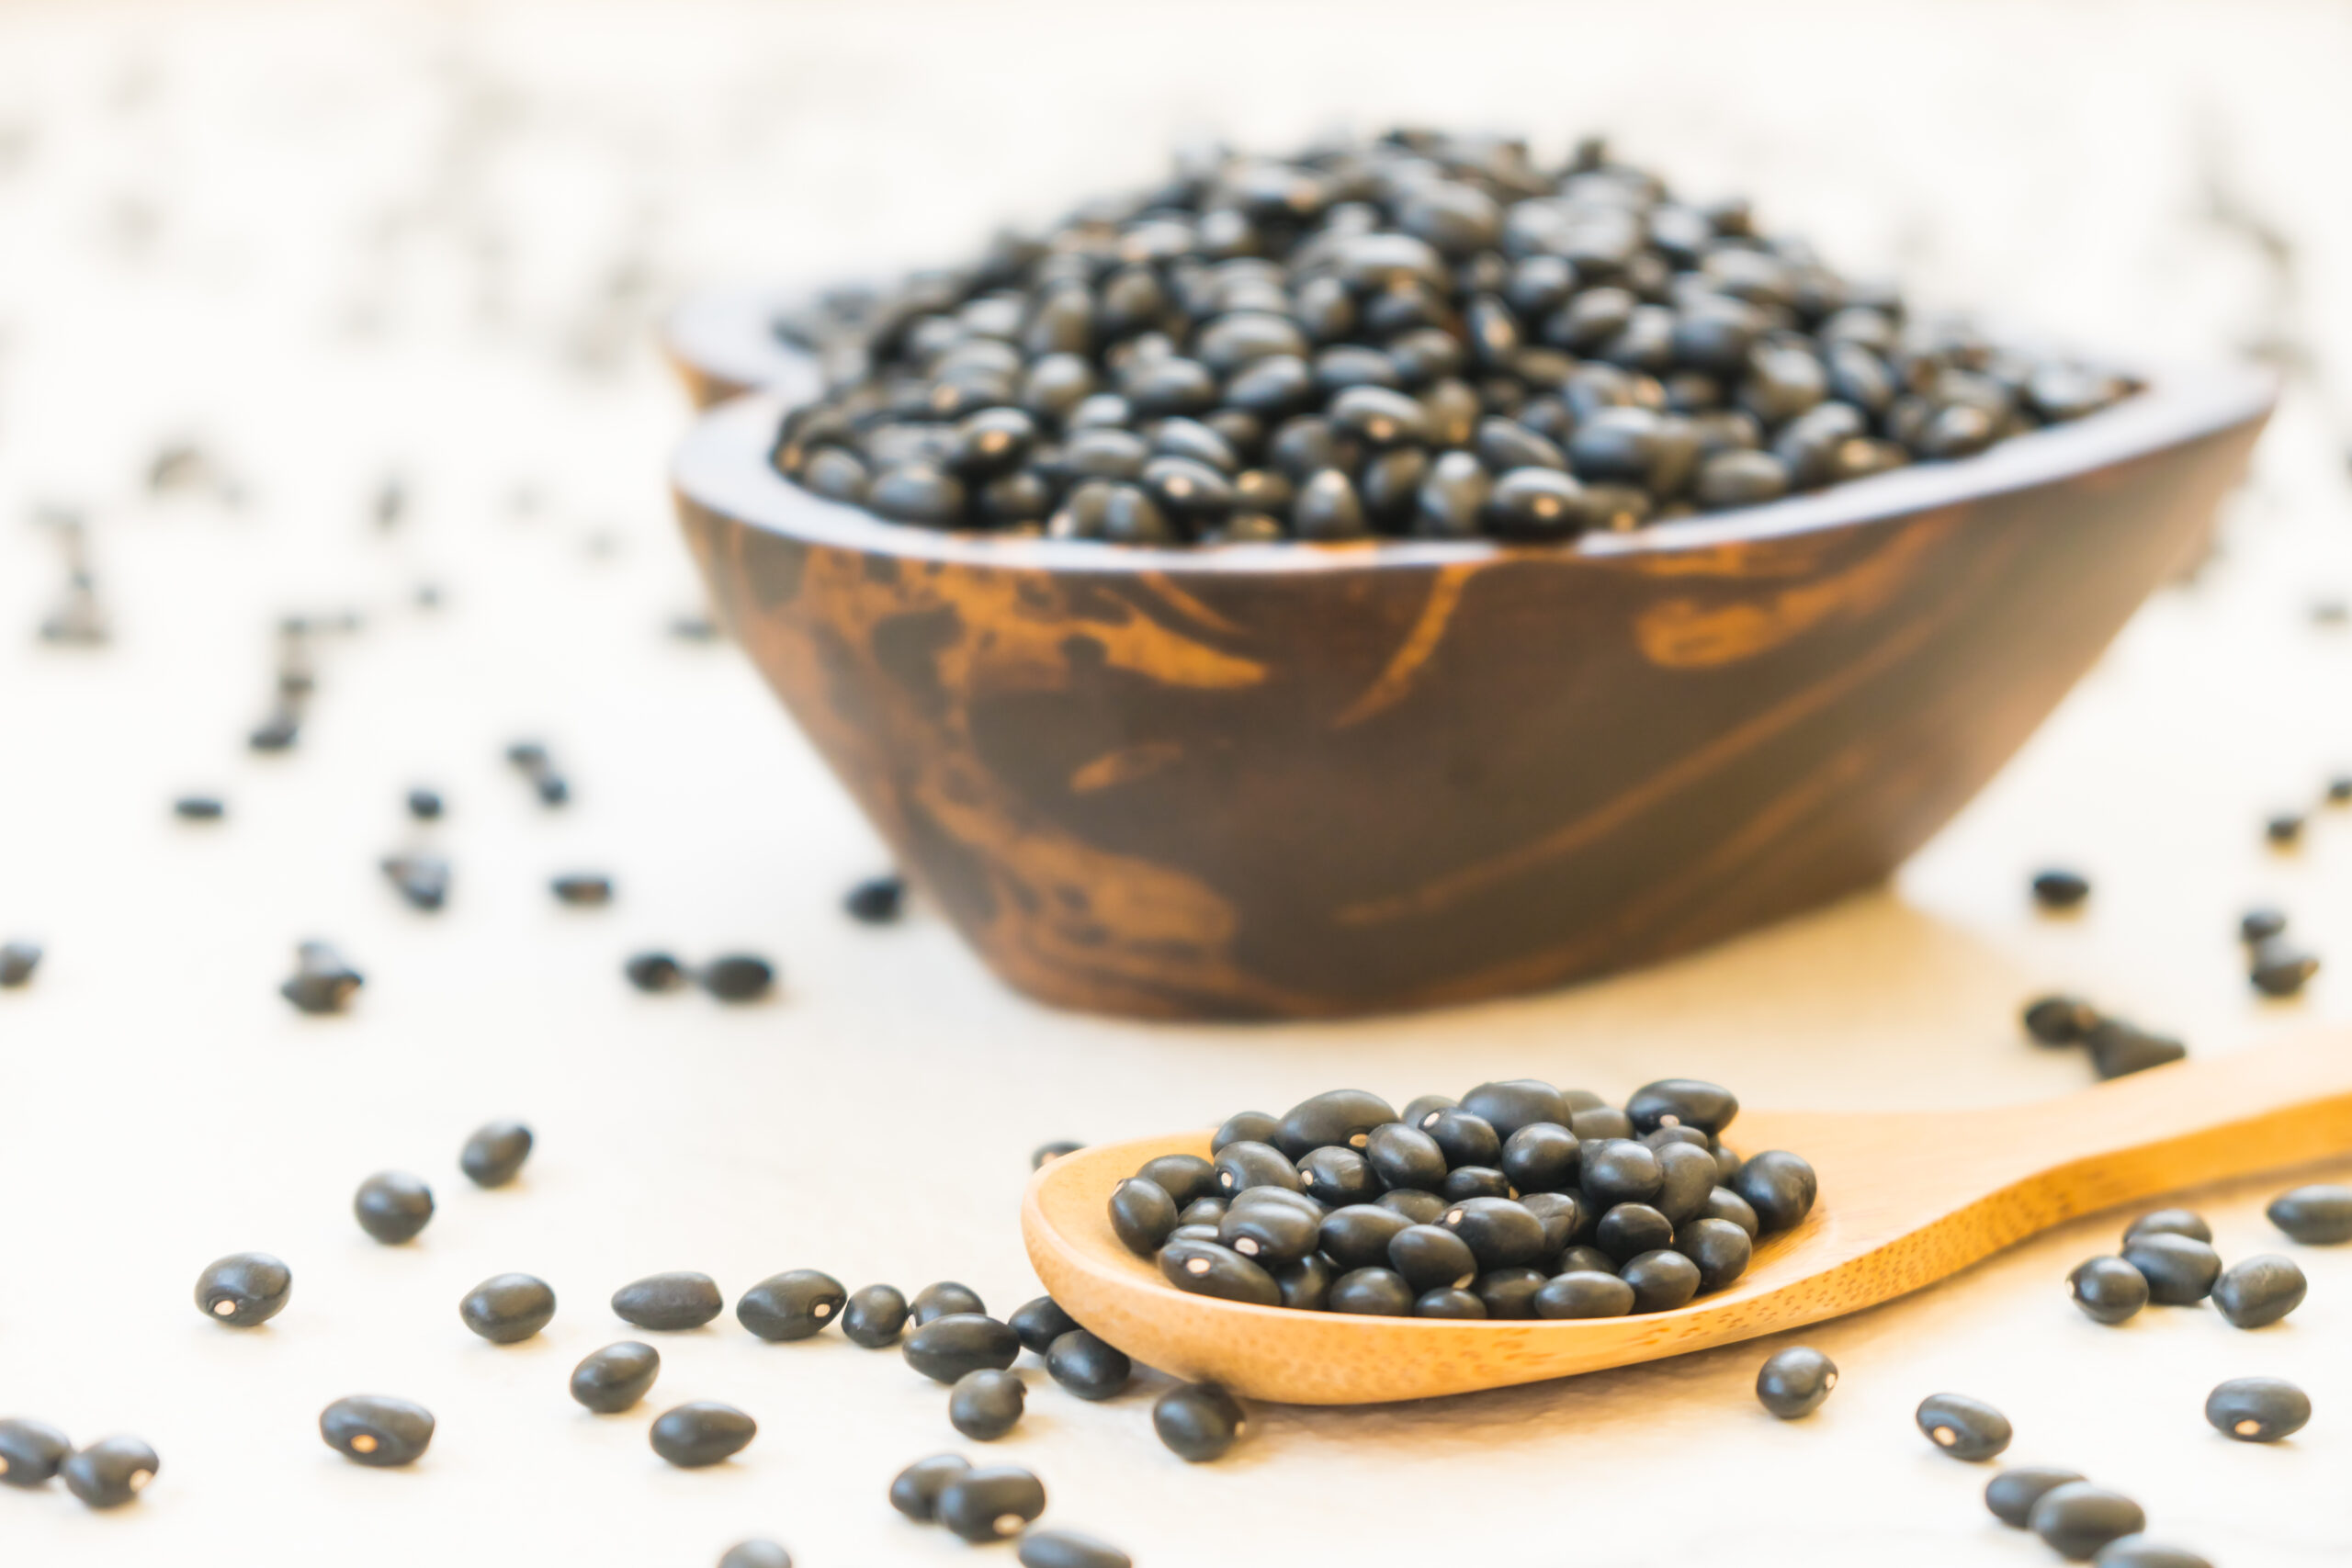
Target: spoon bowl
point(1907, 1198)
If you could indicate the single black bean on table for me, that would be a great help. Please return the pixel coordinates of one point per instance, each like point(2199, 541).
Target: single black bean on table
point(2257, 1410)
point(18, 959)
point(990, 1504)
point(494, 1156)
point(2076, 1519)
point(1963, 1428)
point(1087, 1366)
point(1199, 1422)
point(376, 1430)
point(874, 1315)
point(2139, 1552)
point(1067, 1549)
point(199, 808)
point(915, 1490)
point(2180, 1269)
point(668, 1302)
point(654, 972)
point(1312, 1210)
point(756, 1554)
point(31, 1452)
point(507, 1309)
point(1045, 1154)
point(2317, 1215)
point(946, 1348)
point(2012, 1494)
point(422, 880)
point(582, 888)
point(2259, 1291)
point(737, 977)
point(393, 1206)
point(243, 1290)
point(613, 1379)
point(1429, 336)
point(795, 1304)
point(878, 900)
point(704, 1432)
point(2108, 1289)
point(322, 982)
point(109, 1473)
point(945, 1298)
point(2059, 888)
point(987, 1403)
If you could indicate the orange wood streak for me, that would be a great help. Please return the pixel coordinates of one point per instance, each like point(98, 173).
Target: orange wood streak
point(1429, 632)
point(1683, 634)
point(1123, 766)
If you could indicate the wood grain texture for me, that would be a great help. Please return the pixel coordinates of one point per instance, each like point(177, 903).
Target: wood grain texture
point(1296, 781)
point(1905, 1199)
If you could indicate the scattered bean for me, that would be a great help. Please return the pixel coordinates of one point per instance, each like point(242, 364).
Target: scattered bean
point(2259, 1291)
point(494, 1155)
point(2180, 1269)
point(1963, 1428)
point(31, 1452)
point(392, 1206)
point(244, 1290)
point(2108, 1289)
point(654, 972)
point(2058, 889)
point(914, 1492)
point(991, 1505)
point(702, 1433)
point(875, 1314)
point(109, 1473)
point(2318, 1215)
point(1794, 1381)
point(2076, 1518)
point(506, 1309)
point(2012, 1494)
point(1198, 1422)
point(737, 977)
point(582, 888)
point(986, 1403)
point(667, 1303)
point(944, 1348)
point(756, 1554)
point(376, 1430)
point(18, 959)
point(795, 1304)
point(1067, 1549)
point(322, 982)
point(878, 900)
point(613, 1379)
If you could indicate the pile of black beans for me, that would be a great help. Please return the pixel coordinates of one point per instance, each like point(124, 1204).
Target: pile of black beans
point(1424, 335)
point(1518, 1200)
point(2168, 1259)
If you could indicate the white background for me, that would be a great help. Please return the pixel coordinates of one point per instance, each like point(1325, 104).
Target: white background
point(334, 242)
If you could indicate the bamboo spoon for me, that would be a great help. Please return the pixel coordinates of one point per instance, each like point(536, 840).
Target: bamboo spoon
point(1907, 1198)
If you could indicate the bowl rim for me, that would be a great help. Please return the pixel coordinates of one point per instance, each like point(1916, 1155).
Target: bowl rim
point(721, 465)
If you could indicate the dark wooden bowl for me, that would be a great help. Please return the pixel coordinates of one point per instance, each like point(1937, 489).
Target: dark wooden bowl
point(722, 342)
point(1293, 781)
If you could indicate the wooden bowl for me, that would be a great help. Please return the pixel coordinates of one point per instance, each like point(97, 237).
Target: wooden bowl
point(1291, 781)
point(722, 342)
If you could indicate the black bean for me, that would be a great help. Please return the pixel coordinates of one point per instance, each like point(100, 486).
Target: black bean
point(704, 1432)
point(1584, 1256)
point(1618, 1170)
point(1343, 1117)
point(613, 1379)
point(1687, 1175)
point(1306, 1284)
point(874, 1314)
point(944, 1348)
point(1500, 1232)
point(582, 888)
point(1337, 1175)
point(1245, 1127)
point(1535, 503)
point(918, 493)
point(2119, 1048)
point(198, 808)
point(1087, 1366)
point(1183, 1177)
point(392, 1206)
point(1508, 1292)
point(1727, 1164)
point(2060, 1020)
point(1467, 1181)
point(1583, 1292)
point(990, 1504)
point(2278, 970)
point(19, 958)
point(667, 1303)
point(1254, 1197)
point(422, 880)
point(1067, 1549)
point(376, 1430)
point(1328, 509)
point(425, 804)
point(2259, 1291)
point(1370, 1293)
point(1270, 1233)
point(1142, 1213)
point(2108, 1289)
point(508, 1308)
point(654, 972)
point(2180, 1269)
point(1662, 1280)
point(1719, 1248)
point(756, 1554)
point(2075, 1520)
point(1682, 1102)
point(1203, 1212)
point(1464, 1137)
point(878, 900)
point(2261, 925)
point(987, 1403)
point(1357, 1236)
point(1598, 1124)
point(1422, 1208)
point(2058, 889)
point(1740, 478)
point(2170, 1224)
point(494, 1155)
point(2012, 1494)
point(1404, 1157)
point(109, 1473)
point(244, 1290)
point(31, 1452)
point(1420, 1110)
point(1963, 1428)
point(1247, 1164)
point(1722, 1203)
point(2257, 1410)
point(2283, 828)
point(1794, 1381)
point(1563, 1215)
point(945, 1298)
point(1045, 1154)
point(794, 1304)
point(993, 440)
point(322, 982)
point(1778, 1186)
point(1542, 1156)
point(2318, 1215)
point(1449, 1302)
point(737, 977)
point(1430, 1257)
point(915, 1490)
point(1628, 1229)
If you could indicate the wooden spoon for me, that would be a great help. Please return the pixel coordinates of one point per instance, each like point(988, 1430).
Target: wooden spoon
point(1907, 1198)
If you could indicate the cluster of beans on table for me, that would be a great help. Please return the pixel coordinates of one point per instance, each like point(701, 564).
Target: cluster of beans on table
point(1424, 335)
point(1518, 1200)
point(2168, 1259)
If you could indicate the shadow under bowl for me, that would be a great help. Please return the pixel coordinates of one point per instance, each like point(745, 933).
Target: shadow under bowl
point(1275, 781)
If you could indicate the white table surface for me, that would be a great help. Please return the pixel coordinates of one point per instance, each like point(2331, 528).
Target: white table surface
point(334, 242)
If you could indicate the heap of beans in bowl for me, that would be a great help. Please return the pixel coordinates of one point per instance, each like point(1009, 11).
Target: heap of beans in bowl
point(1519, 1199)
point(1421, 336)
